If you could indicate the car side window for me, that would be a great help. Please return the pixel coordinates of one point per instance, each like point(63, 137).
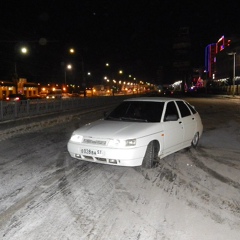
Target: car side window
point(171, 112)
point(192, 108)
point(184, 110)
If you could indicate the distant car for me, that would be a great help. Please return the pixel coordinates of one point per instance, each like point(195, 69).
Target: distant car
point(16, 97)
point(168, 92)
point(75, 95)
point(35, 97)
point(54, 94)
point(156, 93)
point(139, 131)
point(165, 92)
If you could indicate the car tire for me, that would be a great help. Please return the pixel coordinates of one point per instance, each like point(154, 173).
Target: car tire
point(150, 157)
point(195, 140)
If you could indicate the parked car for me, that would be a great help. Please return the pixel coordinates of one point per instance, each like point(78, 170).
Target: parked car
point(165, 92)
point(55, 94)
point(16, 97)
point(156, 93)
point(139, 131)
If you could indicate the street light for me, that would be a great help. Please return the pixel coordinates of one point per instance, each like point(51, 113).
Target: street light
point(234, 63)
point(69, 66)
point(23, 51)
point(72, 51)
point(205, 71)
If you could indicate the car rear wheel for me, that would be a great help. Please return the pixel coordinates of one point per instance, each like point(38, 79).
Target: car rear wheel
point(151, 155)
point(195, 140)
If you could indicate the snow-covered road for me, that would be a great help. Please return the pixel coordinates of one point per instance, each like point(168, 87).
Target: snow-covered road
point(191, 195)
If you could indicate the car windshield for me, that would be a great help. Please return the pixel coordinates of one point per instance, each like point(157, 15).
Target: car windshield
point(139, 111)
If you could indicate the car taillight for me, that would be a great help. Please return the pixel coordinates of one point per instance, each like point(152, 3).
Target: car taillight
point(17, 98)
point(7, 98)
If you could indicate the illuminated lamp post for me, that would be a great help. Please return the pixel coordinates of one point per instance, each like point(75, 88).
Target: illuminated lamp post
point(120, 72)
point(205, 71)
point(84, 84)
point(234, 63)
point(135, 79)
point(68, 67)
point(23, 51)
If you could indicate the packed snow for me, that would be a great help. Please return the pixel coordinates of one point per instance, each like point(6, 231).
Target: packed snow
point(190, 195)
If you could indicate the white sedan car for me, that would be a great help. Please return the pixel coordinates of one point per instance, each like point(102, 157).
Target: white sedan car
point(138, 132)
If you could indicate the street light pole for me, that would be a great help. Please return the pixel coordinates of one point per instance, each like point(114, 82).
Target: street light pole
point(234, 66)
point(206, 80)
point(65, 77)
point(23, 51)
point(234, 63)
point(69, 66)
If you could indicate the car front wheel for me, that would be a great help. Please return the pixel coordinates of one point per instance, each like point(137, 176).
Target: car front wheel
point(150, 157)
point(195, 140)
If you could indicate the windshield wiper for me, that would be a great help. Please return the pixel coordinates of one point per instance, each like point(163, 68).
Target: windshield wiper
point(133, 119)
point(113, 118)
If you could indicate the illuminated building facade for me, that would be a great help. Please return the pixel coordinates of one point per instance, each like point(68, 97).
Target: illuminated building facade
point(23, 87)
point(224, 61)
point(210, 60)
point(222, 43)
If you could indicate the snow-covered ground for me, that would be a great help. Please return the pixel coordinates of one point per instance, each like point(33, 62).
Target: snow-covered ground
point(191, 195)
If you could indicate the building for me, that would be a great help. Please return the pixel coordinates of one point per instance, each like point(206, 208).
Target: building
point(182, 63)
point(6, 88)
point(222, 63)
point(22, 86)
point(218, 62)
point(210, 59)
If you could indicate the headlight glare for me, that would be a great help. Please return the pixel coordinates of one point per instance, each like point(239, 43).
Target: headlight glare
point(76, 138)
point(114, 143)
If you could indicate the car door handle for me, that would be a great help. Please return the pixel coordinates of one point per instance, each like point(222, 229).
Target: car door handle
point(180, 122)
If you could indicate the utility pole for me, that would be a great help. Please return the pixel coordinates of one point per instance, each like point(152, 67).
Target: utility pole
point(234, 66)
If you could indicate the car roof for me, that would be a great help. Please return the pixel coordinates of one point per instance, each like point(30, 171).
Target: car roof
point(152, 99)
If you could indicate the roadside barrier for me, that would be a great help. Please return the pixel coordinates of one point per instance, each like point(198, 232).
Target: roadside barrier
point(35, 107)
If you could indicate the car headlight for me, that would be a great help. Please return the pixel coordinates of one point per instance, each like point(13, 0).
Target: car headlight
point(122, 143)
point(131, 142)
point(76, 138)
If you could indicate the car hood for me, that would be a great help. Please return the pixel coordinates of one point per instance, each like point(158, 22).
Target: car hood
point(118, 129)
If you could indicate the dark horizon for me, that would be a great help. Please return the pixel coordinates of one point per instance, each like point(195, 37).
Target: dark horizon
point(136, 37)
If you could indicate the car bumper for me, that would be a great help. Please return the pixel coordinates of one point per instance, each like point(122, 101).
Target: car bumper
point(122, 157)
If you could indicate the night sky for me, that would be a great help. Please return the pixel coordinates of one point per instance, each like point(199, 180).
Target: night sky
point(135, 36)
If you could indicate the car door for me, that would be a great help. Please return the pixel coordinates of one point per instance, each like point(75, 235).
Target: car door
point(189, 122)
point(173, 129)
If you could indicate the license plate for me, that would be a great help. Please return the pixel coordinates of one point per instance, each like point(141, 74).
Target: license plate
point(92, 152)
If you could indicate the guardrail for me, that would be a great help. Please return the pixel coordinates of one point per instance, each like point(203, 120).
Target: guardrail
point(28, 108)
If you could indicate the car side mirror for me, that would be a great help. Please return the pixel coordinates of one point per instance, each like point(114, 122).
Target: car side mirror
point(105, 114)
